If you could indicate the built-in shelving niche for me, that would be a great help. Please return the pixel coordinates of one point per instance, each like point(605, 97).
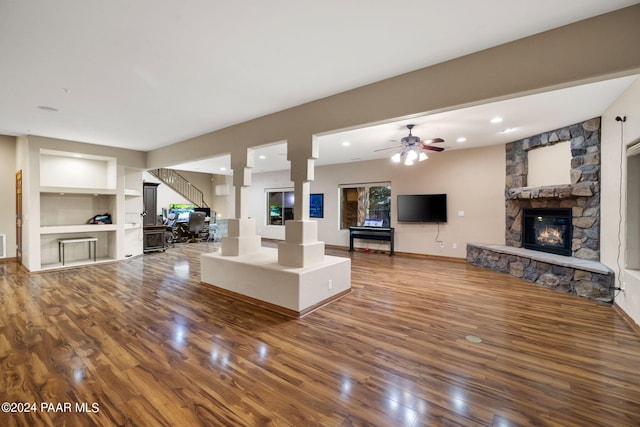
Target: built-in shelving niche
point(75, 187)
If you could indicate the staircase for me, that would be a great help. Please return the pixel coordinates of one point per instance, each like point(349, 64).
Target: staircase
point(181, 185)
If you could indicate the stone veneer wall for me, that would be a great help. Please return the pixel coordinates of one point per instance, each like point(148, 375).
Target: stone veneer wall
point(582, 195)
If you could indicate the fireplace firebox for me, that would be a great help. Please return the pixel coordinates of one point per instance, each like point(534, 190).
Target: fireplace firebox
point(547, 230)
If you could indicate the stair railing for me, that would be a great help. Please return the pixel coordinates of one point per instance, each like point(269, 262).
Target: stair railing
point(181, 185)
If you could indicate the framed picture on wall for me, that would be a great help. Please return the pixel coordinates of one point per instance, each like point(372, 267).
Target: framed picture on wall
point(316, 205)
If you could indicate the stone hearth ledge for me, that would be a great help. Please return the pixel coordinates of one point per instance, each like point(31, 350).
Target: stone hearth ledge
point(564, 261)
point(259, 279)
point(586, 278)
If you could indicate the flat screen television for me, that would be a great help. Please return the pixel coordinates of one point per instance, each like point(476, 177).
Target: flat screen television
point(422, 208)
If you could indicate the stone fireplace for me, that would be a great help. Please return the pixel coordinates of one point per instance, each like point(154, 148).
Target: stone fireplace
point(552, 232)
point(582, 196)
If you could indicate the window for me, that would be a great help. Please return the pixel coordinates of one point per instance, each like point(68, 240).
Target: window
point(359, 202)
point(279, 206)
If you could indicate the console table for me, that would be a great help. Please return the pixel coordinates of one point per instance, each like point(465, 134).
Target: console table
point(63, 242)
point(372, 233)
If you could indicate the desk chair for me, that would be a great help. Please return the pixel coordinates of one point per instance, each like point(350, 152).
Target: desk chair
point(171, 233)
point(196, 226)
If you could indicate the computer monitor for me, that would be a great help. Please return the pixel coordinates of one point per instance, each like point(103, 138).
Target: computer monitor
point(207, 211)
point(182, 211)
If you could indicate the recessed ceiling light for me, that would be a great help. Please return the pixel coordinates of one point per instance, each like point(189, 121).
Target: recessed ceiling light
point(223, 169)
point(262, 156)
point(79, 156)
point(346, 144)
point(508, 130)
point(45, 108)
point(496, 120)
point(461, 139)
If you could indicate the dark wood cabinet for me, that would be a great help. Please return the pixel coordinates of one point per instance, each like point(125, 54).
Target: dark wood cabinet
point(150, 201)
point(154, 238)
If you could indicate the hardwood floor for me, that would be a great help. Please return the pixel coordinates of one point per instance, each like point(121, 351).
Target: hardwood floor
point(143, 342)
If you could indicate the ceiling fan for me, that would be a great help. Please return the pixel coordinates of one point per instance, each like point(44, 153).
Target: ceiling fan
point(412, 148)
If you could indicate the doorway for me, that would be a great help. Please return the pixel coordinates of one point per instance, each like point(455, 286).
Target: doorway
point(19, 217)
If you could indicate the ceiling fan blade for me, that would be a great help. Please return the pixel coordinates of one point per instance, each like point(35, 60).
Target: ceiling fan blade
point(432, 141)
point(388, 148)
point(432, 148)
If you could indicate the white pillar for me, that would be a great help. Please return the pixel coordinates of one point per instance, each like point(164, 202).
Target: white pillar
point(301, 247)
point(242, 238)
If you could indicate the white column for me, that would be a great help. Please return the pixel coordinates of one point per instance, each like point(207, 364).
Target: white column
point(301, 247)
point(242, 238)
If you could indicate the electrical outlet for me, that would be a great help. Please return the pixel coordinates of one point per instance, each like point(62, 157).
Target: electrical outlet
point(455, 246)
point(623, 286)
point(441, 244)
point(330, 284)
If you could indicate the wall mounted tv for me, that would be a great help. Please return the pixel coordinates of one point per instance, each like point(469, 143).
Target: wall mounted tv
point(422, 208)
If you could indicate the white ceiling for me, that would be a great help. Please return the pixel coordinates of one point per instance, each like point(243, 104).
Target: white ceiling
point(147, 73)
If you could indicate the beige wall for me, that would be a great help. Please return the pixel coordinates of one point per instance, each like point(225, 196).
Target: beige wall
point(615, 138)
point(474, 181)
point(8, 192)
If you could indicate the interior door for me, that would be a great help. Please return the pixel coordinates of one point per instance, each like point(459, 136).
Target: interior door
point(19, 216)
point(150, 201)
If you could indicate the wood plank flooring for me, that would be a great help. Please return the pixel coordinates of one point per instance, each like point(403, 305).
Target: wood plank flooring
point(144, 343)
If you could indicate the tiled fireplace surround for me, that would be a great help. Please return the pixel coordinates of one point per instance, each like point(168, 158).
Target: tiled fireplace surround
point(581, 274)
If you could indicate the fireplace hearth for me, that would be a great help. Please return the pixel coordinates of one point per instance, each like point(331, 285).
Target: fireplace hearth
point(547, 230)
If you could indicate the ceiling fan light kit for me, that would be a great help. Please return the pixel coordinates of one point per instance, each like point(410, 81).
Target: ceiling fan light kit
point(413, 148)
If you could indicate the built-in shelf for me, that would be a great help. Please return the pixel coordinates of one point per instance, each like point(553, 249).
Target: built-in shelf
point(73, 188)
point(82, 228)
point(77, 190)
